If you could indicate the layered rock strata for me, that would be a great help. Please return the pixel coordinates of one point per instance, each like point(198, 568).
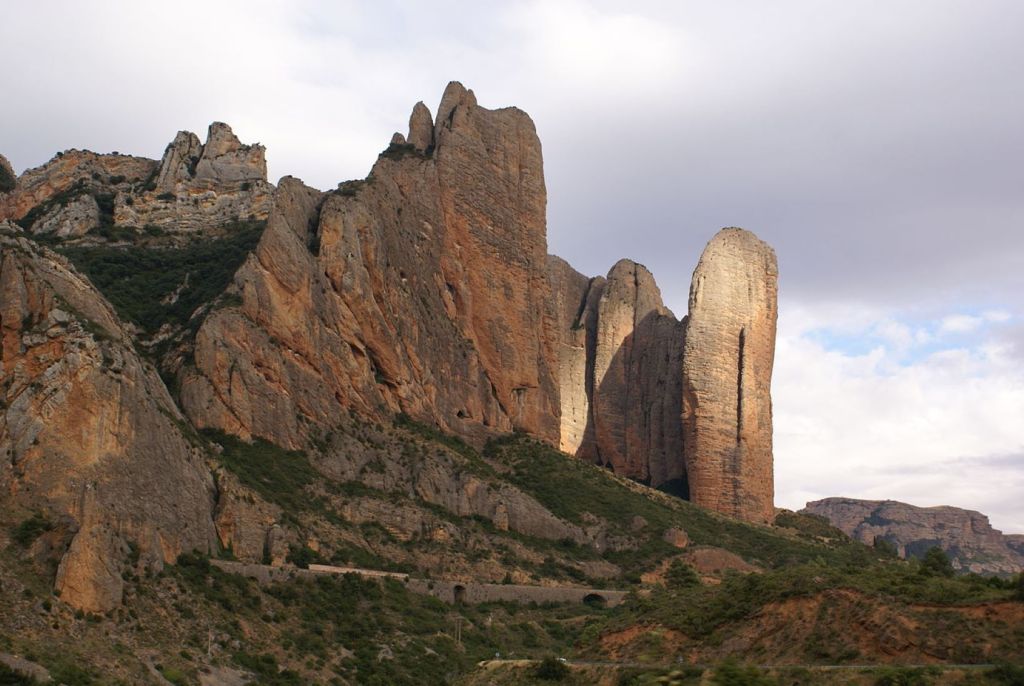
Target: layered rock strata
point(966, 536)
point(727, 369)
point(90, 434)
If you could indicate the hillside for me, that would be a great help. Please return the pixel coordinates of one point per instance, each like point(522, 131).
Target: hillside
point(211, 387)
point(799, 593)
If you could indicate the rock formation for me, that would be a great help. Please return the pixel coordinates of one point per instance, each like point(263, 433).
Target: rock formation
point(195, 188)
point(966, 536)
point(422, 290)
point(69, 174)
point(620, 362)
point(200, 186)
point(727, 370)
point(90, 434)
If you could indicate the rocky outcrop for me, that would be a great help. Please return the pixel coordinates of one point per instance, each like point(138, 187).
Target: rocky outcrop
point(421, 290)
point(196, 188)
point(727, 369)
point(69, 174)
point(966, 536)
point(637, 375)
point(75, 219)
point(89, 432)
point(574, 301)
point(421, 128)
point(201, 186)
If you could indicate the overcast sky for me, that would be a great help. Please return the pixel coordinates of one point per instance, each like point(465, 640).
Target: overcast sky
point(878, 146)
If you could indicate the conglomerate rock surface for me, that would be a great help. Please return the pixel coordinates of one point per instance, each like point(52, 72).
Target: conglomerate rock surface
point(727, 370)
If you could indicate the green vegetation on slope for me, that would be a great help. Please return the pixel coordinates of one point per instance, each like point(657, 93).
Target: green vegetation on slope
point(570, 488)
point(156, 286)
point(365, 631)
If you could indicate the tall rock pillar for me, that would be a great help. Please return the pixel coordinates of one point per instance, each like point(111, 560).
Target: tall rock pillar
point(727, 370)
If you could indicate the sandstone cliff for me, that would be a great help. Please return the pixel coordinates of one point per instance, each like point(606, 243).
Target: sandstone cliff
point(966, 536)
point(89, 433)
point(727, 371)
point(420, 290)
point(620, 362)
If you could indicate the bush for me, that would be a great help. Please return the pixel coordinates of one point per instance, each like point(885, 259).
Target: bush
point(26, 533)
point(681, 575)
point(1019, 592)
point(1006, 675)
point(731, 673)
point(137, 280)
point(904, 676)
point(551, 669)
point(885, 547)
point(936, 563)
point(7, 182)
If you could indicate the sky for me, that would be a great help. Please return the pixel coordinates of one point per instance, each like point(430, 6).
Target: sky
point(877, 146)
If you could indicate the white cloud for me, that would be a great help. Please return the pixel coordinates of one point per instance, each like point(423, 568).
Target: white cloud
point(877, 425)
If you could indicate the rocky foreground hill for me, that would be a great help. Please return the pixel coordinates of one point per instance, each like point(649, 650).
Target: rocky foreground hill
point(967, 536)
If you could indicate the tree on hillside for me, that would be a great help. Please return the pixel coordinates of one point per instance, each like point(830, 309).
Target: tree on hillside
point(936, 563)
point(681, 575)
point(1019, 595)
point(885, 547)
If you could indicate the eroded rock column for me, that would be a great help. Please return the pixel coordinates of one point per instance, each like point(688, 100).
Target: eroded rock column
point(727, 370)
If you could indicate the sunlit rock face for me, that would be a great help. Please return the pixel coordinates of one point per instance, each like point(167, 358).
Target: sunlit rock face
point(422, 289)
point(727, 370)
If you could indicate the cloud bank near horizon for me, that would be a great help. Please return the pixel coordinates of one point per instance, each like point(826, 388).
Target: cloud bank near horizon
point(875, 147)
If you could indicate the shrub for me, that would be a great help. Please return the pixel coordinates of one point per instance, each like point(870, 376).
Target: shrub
point(138, 280)
point(1019, 592)
point(936, 563)
point(731, 673)
point(903, 676)
point(681, 575)
point(32, 528)
point(1006, 675)
point(8, 677)
point(551, 669)
point(885, 547)
point(7, 179)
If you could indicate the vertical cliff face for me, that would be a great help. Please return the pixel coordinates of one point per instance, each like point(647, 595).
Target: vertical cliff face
point(421, 289)
point(89, 433)
point(493, 200)
point(620, 361)
point(727, 368)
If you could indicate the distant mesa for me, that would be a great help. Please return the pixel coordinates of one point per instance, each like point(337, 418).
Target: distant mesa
point(966, 536)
